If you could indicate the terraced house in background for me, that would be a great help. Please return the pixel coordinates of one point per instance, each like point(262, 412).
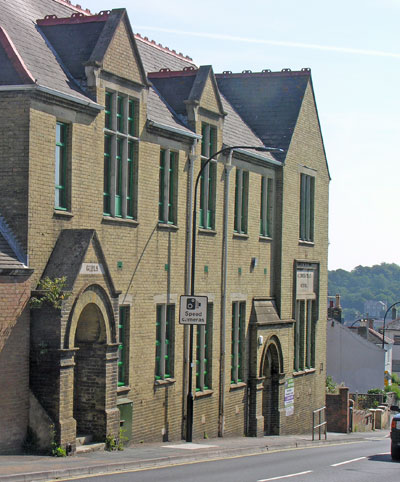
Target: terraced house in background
point(103, 133)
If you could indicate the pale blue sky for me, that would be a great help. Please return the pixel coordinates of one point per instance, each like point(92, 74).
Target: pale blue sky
point(353, 50)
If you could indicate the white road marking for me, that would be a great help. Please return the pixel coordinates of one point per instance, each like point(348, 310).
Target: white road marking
point(348, 461)
point(285, 476)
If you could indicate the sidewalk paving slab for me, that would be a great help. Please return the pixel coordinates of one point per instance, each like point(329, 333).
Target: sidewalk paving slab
point(28, 468)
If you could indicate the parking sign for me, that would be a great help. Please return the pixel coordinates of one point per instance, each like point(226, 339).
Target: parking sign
point(193, 310)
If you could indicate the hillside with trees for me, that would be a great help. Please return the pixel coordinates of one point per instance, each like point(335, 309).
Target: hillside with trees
point(364, 283)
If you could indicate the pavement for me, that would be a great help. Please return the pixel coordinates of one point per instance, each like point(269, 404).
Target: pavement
point(29, 468)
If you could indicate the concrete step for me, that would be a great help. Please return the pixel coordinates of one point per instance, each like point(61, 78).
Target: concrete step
point(84, 449)
point(83, 440)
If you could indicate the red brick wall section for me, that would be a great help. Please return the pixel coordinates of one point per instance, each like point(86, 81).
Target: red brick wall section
point(337, 411)
point(14, 362)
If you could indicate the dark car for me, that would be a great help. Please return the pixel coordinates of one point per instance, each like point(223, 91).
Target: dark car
point(395, 434)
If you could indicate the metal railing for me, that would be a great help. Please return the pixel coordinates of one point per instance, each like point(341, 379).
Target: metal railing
point(319, 414)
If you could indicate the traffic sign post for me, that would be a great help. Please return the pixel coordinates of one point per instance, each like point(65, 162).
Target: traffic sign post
point(193, 310)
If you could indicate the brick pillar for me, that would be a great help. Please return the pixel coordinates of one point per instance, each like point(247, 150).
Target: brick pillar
point(256, 419)
point(112, 414)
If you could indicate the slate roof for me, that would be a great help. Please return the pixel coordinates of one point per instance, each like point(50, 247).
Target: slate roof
point(155, 57)
point(175, 87)
point(159, 111)
point(11, 255)
point(269, 102)
point(8, 259)
point(74, 43)
point(18, 19)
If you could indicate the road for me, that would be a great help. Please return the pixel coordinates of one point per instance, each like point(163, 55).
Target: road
point(348, 462)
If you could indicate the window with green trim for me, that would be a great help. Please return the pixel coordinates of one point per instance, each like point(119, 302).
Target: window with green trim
point(304, 337)
point(237, 345)
point(120, 156)
point(307, 187)
point(168, 195)
point(123, 346)
point(164, 341)
point(208, 181)
point(61, 167)
point(204, 352)
point(266, 207)
point(241, 201)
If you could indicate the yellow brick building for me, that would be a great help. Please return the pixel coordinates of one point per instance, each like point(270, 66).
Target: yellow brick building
point(103, 134)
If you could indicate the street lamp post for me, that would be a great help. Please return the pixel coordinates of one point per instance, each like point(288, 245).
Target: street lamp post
point(189, 403)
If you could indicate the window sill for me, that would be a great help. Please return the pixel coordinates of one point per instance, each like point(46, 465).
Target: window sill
point(165, 382)
point(305, 243)
point(304, 372)
point(58, 213)
point(207, 231)
point(123, 389)
point(240, 236)
point(265, 238)
point(121, 221)
point(204, 393)
point(237, 386)
point(167, 227)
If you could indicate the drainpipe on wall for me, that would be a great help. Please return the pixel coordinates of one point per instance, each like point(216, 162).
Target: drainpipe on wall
point(189, 220)
point(221, 414)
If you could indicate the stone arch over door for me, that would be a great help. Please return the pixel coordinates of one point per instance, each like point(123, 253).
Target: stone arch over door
point(91, 334)
point(271, 367)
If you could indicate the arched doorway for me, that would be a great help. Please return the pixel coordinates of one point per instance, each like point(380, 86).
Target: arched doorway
point(90, 373)
point(270, 402)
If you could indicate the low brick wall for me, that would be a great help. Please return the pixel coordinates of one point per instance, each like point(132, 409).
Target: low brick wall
point(337, 411)
point(363, 421)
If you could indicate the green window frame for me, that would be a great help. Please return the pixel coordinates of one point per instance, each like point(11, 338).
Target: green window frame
point(120, 114)
point(108, 110)
point(167, 202)
point(307, 188)
point(123, 349)
point(107, 176)
point(204, 352)
point(120, 156)
point(237, 345)
point(164, 341)
point(61, 160)
point(266, 207)
point(304, 346)
point(208, 178)
point(241, 201)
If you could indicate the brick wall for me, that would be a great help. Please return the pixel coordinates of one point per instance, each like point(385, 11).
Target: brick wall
point(337, 411)
point(14, 362)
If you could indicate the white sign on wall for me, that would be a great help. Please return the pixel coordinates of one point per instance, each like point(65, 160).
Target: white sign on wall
point(92, 268)
point(305, 283)
point(289, 396)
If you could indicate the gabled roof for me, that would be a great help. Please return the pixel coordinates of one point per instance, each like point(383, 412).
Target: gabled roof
point(174, 86)
point(69, 253)
point(269, 102)
point(82, 39)
point(184, 86)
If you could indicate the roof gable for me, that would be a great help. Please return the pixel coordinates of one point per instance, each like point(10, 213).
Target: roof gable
point(74, 248)
point(205, 90)
point(117, 49)
point(13, 69)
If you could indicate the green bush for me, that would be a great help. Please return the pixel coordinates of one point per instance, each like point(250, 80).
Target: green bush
point(330, 385)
